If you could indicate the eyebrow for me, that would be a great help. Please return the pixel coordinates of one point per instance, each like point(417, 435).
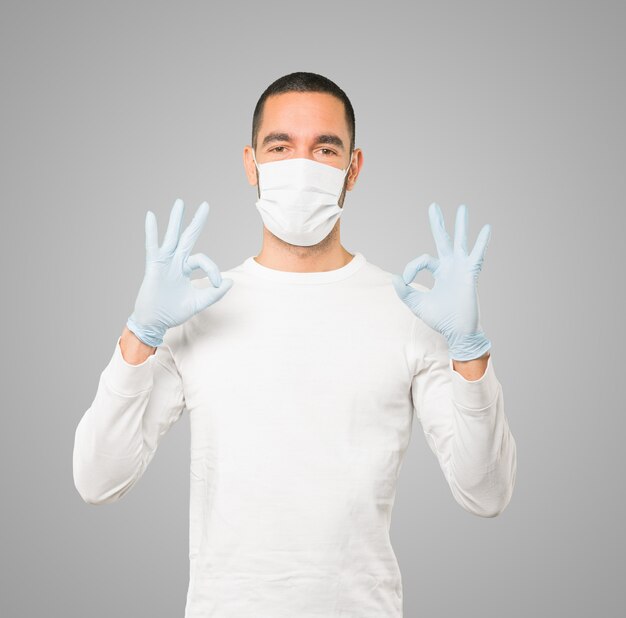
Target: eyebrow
point(323, 138)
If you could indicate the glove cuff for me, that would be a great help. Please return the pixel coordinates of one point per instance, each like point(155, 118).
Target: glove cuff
point(469, 347)
point(149, 336)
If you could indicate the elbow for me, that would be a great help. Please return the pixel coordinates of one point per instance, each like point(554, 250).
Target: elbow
point(90, 493)
point(506, 484)
point(103, 480)
point(493, 508)
point(90, 498)
point(487, 497)
point(487, 494)
point(487, 506)
point(86, 492)
point(95, 489)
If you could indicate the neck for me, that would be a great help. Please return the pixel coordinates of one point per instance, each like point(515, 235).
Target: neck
point(328, 254)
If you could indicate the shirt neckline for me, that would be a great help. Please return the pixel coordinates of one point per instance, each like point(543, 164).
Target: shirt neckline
point(251, 266)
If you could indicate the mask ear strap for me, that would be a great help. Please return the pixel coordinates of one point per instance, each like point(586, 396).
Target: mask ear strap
point(349, 164)
point(258, 175)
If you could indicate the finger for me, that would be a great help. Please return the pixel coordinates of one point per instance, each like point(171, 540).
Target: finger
point(207, 296)
point(152, 234)
point(407, 293)
point(419, 263)
point(202, 261)
point(438, 228)
point(460, 230)
point(191, 233)
point(480, 248)
point(173, 228)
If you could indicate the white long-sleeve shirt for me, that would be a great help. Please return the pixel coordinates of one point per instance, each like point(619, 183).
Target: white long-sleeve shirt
point(301, 390)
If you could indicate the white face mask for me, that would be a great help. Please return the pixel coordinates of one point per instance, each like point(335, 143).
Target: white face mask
point(299, 198)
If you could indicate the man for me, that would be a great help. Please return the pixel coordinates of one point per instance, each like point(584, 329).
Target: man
point(301, 371)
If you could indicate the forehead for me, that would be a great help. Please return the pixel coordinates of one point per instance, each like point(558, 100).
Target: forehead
point(303, 113)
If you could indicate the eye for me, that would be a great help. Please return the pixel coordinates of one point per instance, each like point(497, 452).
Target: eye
point(328, 150)
point(276, 148)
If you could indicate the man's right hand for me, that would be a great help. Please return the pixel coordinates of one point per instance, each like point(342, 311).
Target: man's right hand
point(167, 297)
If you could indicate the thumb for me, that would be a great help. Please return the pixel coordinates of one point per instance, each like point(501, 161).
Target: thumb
point(211, 294)
point(402, 289)
point(409, 295)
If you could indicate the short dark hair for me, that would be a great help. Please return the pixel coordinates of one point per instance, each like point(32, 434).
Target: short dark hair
point(302, 81)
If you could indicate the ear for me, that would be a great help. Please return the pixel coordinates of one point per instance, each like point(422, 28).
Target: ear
point(355, 168)
point(249, 166)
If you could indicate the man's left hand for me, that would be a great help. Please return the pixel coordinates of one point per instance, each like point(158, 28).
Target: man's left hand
point(451, 307)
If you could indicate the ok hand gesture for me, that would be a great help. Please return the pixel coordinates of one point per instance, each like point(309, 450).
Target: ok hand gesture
point(451, 307)
point(167, 297)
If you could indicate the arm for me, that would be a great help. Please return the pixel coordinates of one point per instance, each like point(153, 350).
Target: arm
point(472, 369)
point(134, 407)
point(140, 392)
point(466, 428)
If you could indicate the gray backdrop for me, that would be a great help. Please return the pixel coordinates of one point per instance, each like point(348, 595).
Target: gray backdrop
point(515, 109)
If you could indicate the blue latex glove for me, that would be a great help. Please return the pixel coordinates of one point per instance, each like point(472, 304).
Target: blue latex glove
point(167, 297)
point(451, 307)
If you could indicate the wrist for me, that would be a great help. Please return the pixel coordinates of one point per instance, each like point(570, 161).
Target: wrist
point(149, 336)
point(134, 351)
point(468, 347)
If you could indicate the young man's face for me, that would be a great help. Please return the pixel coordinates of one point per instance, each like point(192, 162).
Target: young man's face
point(309, 125)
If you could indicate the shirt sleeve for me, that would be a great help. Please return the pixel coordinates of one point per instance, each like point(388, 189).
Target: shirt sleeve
point(117, 437)
point(465, 426)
